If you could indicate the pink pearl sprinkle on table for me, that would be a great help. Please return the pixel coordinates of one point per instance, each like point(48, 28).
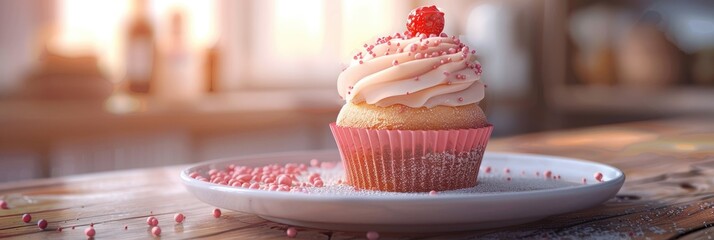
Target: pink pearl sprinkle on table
point(26, 217)
point(487, 169)
point(3, 204)
point(179, 217)
point(152, 221)
point(432, 193)
point(156, 231)
point(216, 213)
point(372, 235)
point(291, 232)
point(90, 232)
point(548, 174)
point(42, 224)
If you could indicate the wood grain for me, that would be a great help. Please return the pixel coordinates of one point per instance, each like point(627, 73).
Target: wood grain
point(668, 194)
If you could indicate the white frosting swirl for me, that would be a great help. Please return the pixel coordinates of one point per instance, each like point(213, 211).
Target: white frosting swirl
point(395, 71)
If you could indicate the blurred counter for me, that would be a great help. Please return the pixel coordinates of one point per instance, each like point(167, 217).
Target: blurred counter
point(54, 138)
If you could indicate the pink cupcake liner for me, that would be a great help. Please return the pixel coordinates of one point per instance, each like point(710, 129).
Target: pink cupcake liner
point(411, 160)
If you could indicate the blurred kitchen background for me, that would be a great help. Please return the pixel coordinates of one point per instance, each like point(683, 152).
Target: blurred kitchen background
point(90, 85)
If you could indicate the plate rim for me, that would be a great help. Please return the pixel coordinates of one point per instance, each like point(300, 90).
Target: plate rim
point(615, 182)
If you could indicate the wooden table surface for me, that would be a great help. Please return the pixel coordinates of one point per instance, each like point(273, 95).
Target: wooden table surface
point(668, 194)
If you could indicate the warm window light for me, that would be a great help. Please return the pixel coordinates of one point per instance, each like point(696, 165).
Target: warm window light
point(201, 18)
point(90, 27)
point(97, 27)
point(298, 27)
point(365, 20)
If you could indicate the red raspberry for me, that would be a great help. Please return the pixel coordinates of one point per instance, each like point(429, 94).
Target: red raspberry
point(426, 20)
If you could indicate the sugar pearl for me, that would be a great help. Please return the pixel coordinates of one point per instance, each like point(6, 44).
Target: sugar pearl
point(90, 232)
point(598, 176)
point(291, 232)
point(179, 217)
point(156, 231)
point(42, 224)
point(372, 235)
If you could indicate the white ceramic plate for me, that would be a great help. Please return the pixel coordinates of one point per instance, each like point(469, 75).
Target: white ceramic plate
point(524, 198)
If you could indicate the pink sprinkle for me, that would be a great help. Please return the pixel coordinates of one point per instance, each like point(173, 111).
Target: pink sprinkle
point(327, 165)
point(292, 232)
point(314, 162)
point(365, 45)
point(461, 99)
point(319, 183)
point(418, 55)
point(152, 221)
point(548, 174)
point(179, 217)
point(395, 62)
point(488, 169)
point(432, 193)
point(3, 204)
point(360, 62)
point(156, 231)
point(216, 213)
point(42, 224)
point(244, 177)
point(91, 224)
point(254, 185)
point(285, 179)
point(313, 177)
point(372, 235)
point(90, 232)
point(473, 51)
point(452, 50)
point(598, 176)
point(270, 180)
point(507, 170)
point(26, 217)
point(443, 35)
point(446, 73)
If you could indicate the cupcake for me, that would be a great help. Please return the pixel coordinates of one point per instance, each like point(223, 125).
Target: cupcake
point(411, 121)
